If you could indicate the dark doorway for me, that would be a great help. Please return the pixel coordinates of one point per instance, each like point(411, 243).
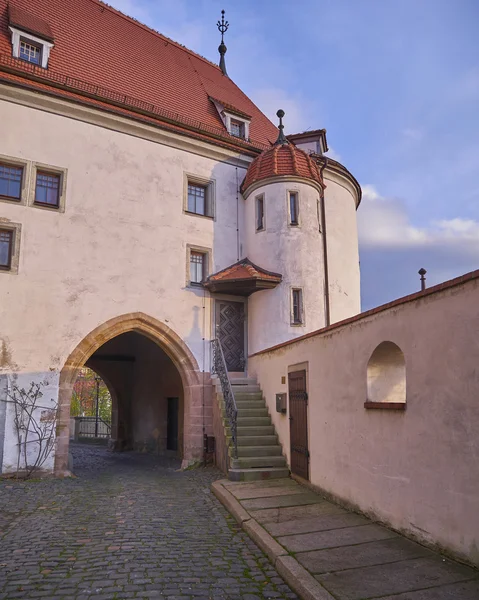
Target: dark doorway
point(298, 423)
point(230, 328)
point(172, 424)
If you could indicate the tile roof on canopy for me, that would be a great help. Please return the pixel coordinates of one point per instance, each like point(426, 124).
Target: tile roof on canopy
point(242, 278)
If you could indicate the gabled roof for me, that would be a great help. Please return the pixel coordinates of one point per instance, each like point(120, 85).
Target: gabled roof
point(29, 23)
point(242, 278)
point(96, 46)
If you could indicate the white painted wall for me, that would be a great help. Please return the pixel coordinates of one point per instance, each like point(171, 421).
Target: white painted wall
point(417, 469)
point(343, 247)
point(119, 247)
point(296, 252)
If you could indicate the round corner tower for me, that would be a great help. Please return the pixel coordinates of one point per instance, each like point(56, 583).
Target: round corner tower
point(301, 224)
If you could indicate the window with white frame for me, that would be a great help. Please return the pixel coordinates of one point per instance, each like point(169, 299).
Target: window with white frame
point(30, 52)
point(30, 48)
point(297, 317)
point(237, 128)
point(259, 213)
point(197, 267)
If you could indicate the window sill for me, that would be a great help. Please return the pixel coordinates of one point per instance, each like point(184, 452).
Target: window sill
point(11, 199)
point(193, 214)
point(297, 324)
point(46, 205)
point(385, 405)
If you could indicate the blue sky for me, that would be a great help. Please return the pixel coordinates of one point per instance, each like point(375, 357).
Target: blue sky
point(396, 85)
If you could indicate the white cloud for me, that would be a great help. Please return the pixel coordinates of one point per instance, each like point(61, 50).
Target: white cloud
point(385, 223)
point(392, 248)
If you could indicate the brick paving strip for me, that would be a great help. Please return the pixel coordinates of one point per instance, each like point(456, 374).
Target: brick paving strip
point(128, 526)
point(325, 552)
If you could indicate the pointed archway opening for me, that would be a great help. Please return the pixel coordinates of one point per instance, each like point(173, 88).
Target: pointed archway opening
point(155, 384)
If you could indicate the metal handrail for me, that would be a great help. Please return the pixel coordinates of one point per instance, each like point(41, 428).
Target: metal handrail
point(220, 369)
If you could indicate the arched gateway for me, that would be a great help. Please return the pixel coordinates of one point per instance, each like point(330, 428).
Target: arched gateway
point(174, 350)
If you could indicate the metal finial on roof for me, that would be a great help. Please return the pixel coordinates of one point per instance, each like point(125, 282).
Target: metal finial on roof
point(281, 137)
point(222, 28)
point(422, 273)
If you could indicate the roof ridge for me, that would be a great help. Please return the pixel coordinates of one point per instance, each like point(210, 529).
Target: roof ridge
point(153, 31)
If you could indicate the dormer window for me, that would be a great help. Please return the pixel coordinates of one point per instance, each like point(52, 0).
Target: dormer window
point(30, 52)
point(237, 128)
point(32, 37)
point(236, 122)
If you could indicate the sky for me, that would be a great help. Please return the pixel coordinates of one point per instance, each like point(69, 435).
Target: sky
point(396, 85)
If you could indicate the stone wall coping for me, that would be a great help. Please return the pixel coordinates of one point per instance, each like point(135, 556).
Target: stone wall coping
point(446, 285)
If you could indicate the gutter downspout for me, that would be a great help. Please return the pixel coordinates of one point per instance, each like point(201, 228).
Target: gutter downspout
point(327, 308)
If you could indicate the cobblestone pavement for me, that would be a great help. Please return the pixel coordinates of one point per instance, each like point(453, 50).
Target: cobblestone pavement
point(128, 526)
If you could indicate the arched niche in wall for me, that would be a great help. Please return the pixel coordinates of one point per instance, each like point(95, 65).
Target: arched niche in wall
point(386, 377)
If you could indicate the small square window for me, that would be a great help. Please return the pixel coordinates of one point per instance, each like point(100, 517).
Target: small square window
point(6, 249)
point(259, 213)
point(293, 208)
point(47, 189)
point(197, 267)
point(30, 52)
point(11, 181)
point(297, 306)
point(237, 128)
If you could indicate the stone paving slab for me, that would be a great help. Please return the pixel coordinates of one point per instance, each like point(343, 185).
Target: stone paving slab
point(281, 501)
point(246, 494)
point(457, 591)
point(348, 556)
point(393, 578)
point(293, 513)
point(361, 555)
point(335, 537)
point(316, 524)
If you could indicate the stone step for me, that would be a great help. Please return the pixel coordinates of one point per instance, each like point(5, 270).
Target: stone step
point(248, 431)
point(253, 421)
point(241, 397)
point(271, 450)
point(257, 474)
point(247, 404)
point(242, 389)
point(258, 440)
point(237, 381)
point(256, 411)
point(258, 462)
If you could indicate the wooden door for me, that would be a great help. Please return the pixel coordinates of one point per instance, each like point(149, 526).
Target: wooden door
point(298, 423)
point(230, 330)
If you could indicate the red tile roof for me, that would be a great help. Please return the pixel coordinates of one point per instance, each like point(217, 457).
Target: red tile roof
point(96, 45)
point(30, 23)
point(244, 269)
point(242, 279)
point(280, 160)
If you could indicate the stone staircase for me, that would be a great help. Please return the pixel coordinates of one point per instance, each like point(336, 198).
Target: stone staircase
point(260, 456)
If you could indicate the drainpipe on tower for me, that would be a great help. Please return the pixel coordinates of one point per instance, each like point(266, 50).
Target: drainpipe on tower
point(325, 250)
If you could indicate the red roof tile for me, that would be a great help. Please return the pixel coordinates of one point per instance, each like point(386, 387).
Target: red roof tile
point(29, 23)
point(245, 269)
point(100, 46)
point(280, 160)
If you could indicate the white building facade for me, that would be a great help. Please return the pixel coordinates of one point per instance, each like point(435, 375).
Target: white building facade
point(129, 240)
